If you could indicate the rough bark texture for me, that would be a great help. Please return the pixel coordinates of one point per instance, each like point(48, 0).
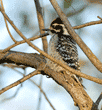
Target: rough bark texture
point(79, 95)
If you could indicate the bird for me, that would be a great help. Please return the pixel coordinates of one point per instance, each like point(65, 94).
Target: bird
point(63, 48)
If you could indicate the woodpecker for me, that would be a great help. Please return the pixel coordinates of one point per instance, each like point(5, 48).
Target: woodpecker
point(63, 48)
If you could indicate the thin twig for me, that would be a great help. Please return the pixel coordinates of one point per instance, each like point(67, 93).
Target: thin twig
point(99, 17)
point(71, 13)
point(88, 24)
point(96, 104)
point(13, 96)
point(19, 81)
point(7, 24)
point(41, 24)
point(99, 99)
point(23, 41)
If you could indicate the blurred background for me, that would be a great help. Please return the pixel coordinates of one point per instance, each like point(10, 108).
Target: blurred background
point(23, 14)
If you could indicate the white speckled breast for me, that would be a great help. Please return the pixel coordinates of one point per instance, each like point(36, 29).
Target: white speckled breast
point(52, 51)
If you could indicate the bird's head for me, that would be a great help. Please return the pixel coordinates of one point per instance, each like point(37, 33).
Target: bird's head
point(57, 27)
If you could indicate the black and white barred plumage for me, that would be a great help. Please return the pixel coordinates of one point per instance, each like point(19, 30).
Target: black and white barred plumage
point(67, 48)
point(62, 47)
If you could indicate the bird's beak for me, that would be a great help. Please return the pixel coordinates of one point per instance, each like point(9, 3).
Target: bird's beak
point(46, 29)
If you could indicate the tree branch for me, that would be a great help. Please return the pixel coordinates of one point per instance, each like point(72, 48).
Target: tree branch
point(23, 41)
point(7, 24)
point(32, 61)
point(20, 81)
point(88, 24)
point(38, 61)
point(41, 24)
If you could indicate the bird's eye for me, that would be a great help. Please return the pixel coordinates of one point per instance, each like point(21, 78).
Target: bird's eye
point(54, 26)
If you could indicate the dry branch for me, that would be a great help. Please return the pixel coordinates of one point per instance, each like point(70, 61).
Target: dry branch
point(20, 81)
point(23, 41)
point(7, 24)
point(88, 24)
point(38, 61)
point(41, 24)
point(30, 59)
